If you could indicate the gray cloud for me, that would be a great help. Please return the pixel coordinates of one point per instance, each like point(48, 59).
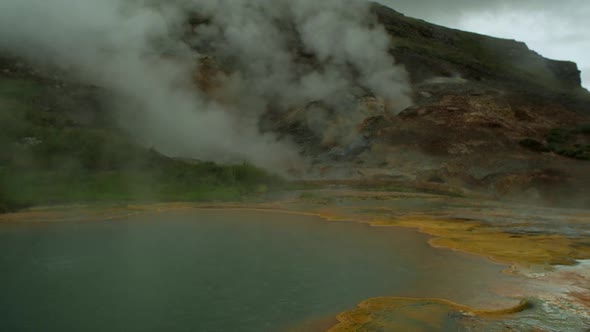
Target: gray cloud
point(349, 53)
point(120, 46)
point(117, 45)
point(446, 10)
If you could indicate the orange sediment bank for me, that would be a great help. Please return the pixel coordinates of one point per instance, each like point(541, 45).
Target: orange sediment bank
point(408, 314)
point(88, 213)
point(477, 238)
point(472, 237)
point(469, 236)
point(525, 250)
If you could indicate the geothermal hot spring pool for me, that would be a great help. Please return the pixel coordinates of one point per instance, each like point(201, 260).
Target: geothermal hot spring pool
point(208, 270)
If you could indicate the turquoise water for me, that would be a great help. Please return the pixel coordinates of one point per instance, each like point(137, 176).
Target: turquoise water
point(216, 271)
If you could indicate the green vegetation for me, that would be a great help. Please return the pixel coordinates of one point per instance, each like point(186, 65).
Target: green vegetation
point(572, 143)
point(48, 157)
point(178, 182)
point(449, 192)
point(533, 144)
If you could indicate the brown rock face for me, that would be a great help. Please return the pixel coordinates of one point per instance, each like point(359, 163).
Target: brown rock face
point(479, 104)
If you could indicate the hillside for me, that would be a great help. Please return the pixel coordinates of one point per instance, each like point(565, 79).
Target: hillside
point(484, 115)
point(489, 115)
point(513, 123)
point(59, 144)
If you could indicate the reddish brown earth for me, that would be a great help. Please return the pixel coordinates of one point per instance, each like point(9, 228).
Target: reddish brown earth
point(476, 100)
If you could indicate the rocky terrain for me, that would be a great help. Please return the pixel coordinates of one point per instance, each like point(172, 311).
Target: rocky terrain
point(488, 116)
point(489, 113)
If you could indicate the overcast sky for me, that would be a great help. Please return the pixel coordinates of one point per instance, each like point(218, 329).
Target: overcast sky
point(558, 29)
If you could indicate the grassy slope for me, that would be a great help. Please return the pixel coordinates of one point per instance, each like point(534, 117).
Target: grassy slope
point(492, 57)
point(424, 47)
point(47, 157)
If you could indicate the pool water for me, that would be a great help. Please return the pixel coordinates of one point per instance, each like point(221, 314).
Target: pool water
point(213, 270)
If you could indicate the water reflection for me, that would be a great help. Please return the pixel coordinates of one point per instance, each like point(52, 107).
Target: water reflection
point(221, 271)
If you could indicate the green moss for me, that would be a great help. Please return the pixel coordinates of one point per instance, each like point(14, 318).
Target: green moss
point(583, 130)
point(20, 89)
point(575, 153)
point(559, 136)
point(9, 204)
point(534, 145)
point(41, 187)
point(308, 195)
point(571, 143)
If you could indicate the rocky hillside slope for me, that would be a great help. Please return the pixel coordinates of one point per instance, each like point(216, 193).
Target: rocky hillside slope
point(59, 144)
point(488, 115)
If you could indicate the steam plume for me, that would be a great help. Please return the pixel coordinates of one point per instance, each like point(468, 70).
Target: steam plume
point(275, 54)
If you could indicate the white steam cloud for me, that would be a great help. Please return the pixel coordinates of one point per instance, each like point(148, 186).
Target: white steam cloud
point(275, 55)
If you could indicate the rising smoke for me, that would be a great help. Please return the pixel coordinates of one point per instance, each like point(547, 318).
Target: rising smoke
point(276, 55)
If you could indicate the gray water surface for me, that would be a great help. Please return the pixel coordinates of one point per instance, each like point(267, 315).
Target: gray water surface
point(216, 271)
